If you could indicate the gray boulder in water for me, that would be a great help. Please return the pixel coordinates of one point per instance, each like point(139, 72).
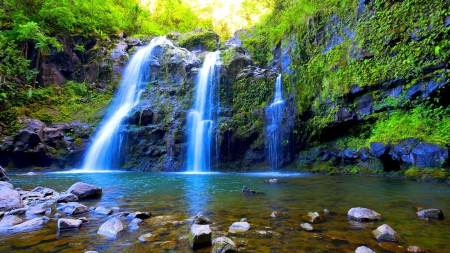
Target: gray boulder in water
point(223, 245)
point(111, 228)
point(363, 214)
point(3, 175)
point(85, 191)
point(200, 236)
point(9, 199)
point(31, 225)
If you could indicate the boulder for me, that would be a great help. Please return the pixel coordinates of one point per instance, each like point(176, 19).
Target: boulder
point(35, 210)
point(143, 215)
point(73, 208)
point(201, 220)
point(199, 236)
point(223, 245)
point(135, 224)
point(306, 226)
point(377, 149)
point(363, 214)
point(314, 217)
point(111, 228)
point(68, 197)
point(9, 221)
point(85, 191)
point(9, 199)
point(42, 192)
point(364, 249)
point(64, 224)
point(121, 215)
point(385, 233)
point(6, 184)
point(199, 40)
point(3, 175)
point(18, 211)
point(428, 155)
point(239, 227)
point(31, 225)
point(102, 211)
point(50, 75)
point(447, 21)
point(435, 214)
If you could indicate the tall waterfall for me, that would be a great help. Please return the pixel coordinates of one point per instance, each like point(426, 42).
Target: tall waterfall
point(201, 117)
point(105, 148)
point(274, 131)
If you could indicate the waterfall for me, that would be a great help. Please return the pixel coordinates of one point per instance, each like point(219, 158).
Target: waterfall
point(104, 150)
point(201, 118)
point(274, 130)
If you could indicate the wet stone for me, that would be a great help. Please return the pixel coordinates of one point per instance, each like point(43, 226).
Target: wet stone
point(199, 236)
point(363, 214)
point(68, 197)
point(102, 211)
point(35, 210)
point(275, 214)
point(18, 211)
point(239, 227)
point(364, 249)
point(385, 233)
point(149, 237)
point(111, 228)
point(201, 220)
point(223, 245)
point(9, 221)
point(31, 225)
point(306, 226)
point(135, 224)
point(435, 214)
point(64, 224)
point(73, 208)
point(143, 215)
point(314, 217)
point(85, 191)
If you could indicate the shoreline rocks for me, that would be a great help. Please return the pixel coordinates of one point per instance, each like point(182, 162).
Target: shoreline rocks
point(199, 236)
point(111, 228)
point(385, 233)
point(66, 224)
point(85, 191)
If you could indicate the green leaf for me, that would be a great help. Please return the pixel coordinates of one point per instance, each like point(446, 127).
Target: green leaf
point(437, 49)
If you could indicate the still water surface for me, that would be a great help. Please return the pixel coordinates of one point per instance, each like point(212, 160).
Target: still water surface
point(175, 197)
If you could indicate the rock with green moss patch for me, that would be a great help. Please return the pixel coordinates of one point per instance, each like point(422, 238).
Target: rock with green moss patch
point(431, 213)
point(199, 40)
point(200, 236)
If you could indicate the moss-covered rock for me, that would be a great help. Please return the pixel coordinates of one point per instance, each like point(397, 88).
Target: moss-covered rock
point(199, 40)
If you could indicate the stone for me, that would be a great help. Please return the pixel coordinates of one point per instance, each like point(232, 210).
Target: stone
point(102, 211)
point(149, 237)
point(223, 245)
point(275, 214)
point(363, 249)
point(42, 192)
point(385, 233)
point(67, 197)
point(83, 219)
point(239, 227)
point(135, 224)
point(415, 249)
point(143, 215)
point(73, 208)
point(363, 214)
point(18, 211)
point(9, 199)
point(85, 191)
point(35, 210)
point(428, 155)
point(199, 236)
point(111, 228)
point(201, 220)
point(50, 75)
point(9, 221)
point(306, 226)
point(435, 214)
point(244, 220)
point(64, 224)
point(377, 149)
point(447, 21)
point(3, 175)
point(121, 215)
point(314, 217)
point(6, 184)
point(31, 225)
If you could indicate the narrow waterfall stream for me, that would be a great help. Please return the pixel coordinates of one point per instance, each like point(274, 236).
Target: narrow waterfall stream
point(201, 117)
point(104, 150)
point(274, 116)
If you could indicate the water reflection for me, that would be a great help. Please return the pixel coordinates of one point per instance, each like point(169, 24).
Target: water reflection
point(197, 192)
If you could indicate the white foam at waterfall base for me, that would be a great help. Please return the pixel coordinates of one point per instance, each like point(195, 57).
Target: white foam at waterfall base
point(201, 117)
point(105, 147)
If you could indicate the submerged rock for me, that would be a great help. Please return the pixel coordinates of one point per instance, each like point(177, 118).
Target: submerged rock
point(363, 214)
point(199, 236)
point(306, 226)
point(3, 175)
point(31, 225)
point(85, 191)
point(201, 220)
point(149, 237)
point(69, 224)
point(385, 233)
point(135, 224)
point(9, 221)
point(275, 214)
point(364, 249)
point(223, 245)
point(73, 208)
point(9, 199)
point(143, 215)
point(68, 197)
point(239, 227)
point(314, 217)
point(111, 228)
point(435, 214)
point(102, 211)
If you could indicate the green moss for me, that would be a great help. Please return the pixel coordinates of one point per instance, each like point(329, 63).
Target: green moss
point(206, 38)
point(413, 173)
point(78, 141)
point(427, 174)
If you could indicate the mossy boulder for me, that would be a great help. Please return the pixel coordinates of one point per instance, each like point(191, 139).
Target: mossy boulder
point(199, 40)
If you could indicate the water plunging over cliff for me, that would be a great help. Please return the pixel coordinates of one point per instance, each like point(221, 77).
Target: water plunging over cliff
point(274, 117)
point(105, 148)
point(201, 118)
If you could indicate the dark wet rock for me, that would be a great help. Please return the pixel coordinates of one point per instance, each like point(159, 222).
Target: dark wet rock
point(149, 237)
point(121, 215)
point(143, 215)
point(72, 208)
point(447, 21)
point(306, 226)
point(377, 149)
point(223, 245)
point(275, 214)
point(111, 228)
point(102, 211)
point(67, 197)
point(3, 175)
point(83, 219)
point(135, 224)
point(391, 247)
point(31, 225)
point(235, 61)
point(200, 236)
point(364, 249)
point(133, 42)
point(428, 155)
point(18, 211)
point(85, 191)
point(200, 219)
point(344, 114)
point(64, 224)
point(9, 221)
point(6, 184)
point(50, 75)
point(415, 249)
point(314, 217)
point(363, 214)
point(57, 216)
point(239, 227)
point(385, 233)
point(9, 199)
point(35, 210)
point(435, 214)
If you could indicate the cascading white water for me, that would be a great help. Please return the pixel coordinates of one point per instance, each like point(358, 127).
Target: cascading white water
point(104, 149)
point(274, 116)
point(201, 117)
